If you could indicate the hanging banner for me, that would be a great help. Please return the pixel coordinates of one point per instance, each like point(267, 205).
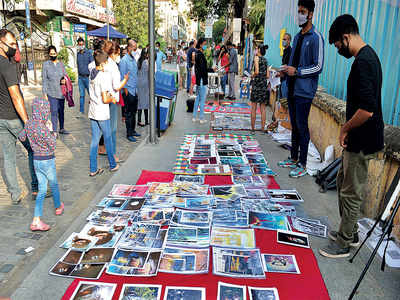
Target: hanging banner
point(28, 14)
point(90, 9)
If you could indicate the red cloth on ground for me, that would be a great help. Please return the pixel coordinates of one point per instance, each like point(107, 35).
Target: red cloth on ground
point(309, 285)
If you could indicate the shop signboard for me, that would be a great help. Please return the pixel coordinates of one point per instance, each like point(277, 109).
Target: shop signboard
point(91, 10)
point(80, 28)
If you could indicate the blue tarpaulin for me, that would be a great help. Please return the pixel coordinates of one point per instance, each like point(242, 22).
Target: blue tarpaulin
point(102, 32)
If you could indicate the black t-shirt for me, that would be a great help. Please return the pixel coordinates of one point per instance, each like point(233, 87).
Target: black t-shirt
point(286, 55)
point(189, 57)
point(8, 77)
point(364, 92)
point(295, 63)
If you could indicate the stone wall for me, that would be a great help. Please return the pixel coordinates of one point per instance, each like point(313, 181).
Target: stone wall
point(326, 118)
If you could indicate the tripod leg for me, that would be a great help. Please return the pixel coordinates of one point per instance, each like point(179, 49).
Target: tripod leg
point(366, 238)
point(371, 258)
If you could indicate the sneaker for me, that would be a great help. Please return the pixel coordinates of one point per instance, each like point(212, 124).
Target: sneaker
point(194, 120)
point(203, 121)
point(63, 131)
point(299, 171)
point(136, 134)
point(333, 250)
point(288, 163)
point(131, 139)
point(355, 243)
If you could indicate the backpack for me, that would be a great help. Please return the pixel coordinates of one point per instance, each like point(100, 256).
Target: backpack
point(326, 178)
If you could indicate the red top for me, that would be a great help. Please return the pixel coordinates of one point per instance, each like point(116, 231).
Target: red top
point(225, 61)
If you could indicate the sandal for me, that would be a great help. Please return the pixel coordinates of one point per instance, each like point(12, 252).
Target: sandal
point(60, 209)
point(115, 169)
point(98, 172)
point(40, 227)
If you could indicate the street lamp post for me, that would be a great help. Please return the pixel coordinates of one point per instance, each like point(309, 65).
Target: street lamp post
point(152, 135)
point(108, 21)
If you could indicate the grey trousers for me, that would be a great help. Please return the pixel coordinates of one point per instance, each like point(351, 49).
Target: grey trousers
point(351, 181)
point(231, 82)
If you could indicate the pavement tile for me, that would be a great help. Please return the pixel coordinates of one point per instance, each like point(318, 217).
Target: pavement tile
point(6, 268)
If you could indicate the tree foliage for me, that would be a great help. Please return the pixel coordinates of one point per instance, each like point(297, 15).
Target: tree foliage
point(132, 19)
point(257, 18)
point(218, 30)
point(202, 9)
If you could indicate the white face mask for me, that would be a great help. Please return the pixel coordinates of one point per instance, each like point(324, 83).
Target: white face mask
point(118, 59)
point(302, 19)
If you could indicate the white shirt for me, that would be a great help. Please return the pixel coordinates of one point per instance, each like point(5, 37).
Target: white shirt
point(91, 66)
point(182, 56)
point(115, 83)
point(98, 110)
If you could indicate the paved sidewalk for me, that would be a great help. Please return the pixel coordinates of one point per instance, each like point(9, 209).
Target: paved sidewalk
point(77, 190)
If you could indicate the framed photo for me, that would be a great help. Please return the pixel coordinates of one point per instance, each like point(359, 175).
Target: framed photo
point(140, 291)
point(257, 293)
point(94, 290)
point(231, 291)
point(180, 292)
point(293, 238)
point(280, 263)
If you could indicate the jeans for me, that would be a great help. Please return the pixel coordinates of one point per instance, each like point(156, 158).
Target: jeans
point(46, 173)
point(351, 181)
point(57, 112)
point(131, 104)
point(188, 79)
point(146, 115)
point(299, 110)
point(9, 130)
point(231, 82)
point(83, 83)
point(98, 128)
point(114, 125)
point(224, 80)
point(200, 100)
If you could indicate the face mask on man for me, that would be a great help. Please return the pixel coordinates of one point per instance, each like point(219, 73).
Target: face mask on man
point(53, 57)
point(284, 43)
point(81, 48)
point(205, 47)
point(302, 19)
point(10, 51)
point(118, 59)
point(345, 51)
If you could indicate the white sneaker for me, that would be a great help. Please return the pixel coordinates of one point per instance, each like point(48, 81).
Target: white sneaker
point(203, 121)
point(194, 120)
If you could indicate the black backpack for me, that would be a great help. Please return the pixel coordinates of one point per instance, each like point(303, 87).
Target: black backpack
point(326, 178)
point(190, 104)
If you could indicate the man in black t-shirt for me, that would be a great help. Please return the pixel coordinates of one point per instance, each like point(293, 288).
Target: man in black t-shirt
point(361, 136)
point(12, 116)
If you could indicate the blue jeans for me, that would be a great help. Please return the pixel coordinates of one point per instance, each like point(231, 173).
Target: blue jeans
point(188, 79)
point(201, 96)
point(99, 128)
point(46, 173)
point(224, 80)
point(9, 130)
point(113, 125)
point(83, 83)
point(57, 112)
point(299, 110)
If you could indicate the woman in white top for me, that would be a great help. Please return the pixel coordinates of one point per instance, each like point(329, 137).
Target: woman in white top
point(113, 50)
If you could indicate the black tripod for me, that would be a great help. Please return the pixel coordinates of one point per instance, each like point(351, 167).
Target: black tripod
point(386, 231)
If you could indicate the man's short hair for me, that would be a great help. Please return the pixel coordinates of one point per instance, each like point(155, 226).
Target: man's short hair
point(309, 4)
point(4, 32)
point(344, 24)
point(100, 57)
point(191, 43)
point(80, 39)
point(289, 35)
point(157, 43)
point(51, 47)
point(229, 43)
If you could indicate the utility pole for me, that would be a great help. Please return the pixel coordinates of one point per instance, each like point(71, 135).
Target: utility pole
point(29, 25)
point(152, 136)
point(108, 21)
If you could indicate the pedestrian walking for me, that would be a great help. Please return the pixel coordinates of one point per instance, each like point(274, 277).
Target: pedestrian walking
point(305, 65)
point(181, 61)
point(362, 136)
point(259, 87)
point(160, 58)
point(13, 116)
point(53, 73)
point(128, 65)
point(223, 60)
point(116, 85)
point(201, 72)
point(190, 72)
point(42, 138)
point(83, 58)
point(233, 70)
point(99, 112)
point(143, 88)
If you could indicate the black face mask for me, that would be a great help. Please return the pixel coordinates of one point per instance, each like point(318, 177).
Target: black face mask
point(345, 51)
point(10, 51)
point(53, 58)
